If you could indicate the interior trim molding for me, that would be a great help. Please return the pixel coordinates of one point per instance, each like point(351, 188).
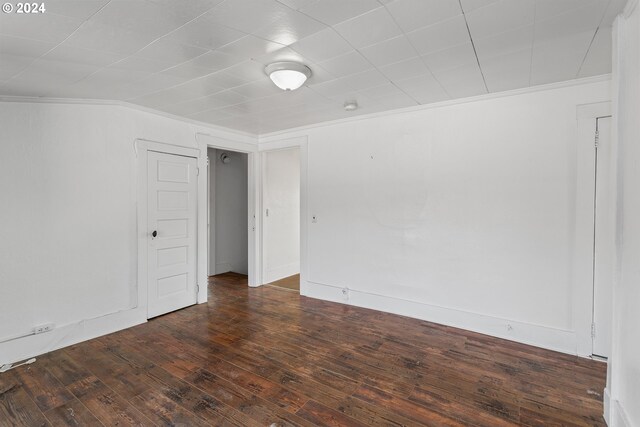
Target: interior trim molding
point(73, 333)
point(618, 415)
point(264, 138)
point(116, 103)
point(550, 338)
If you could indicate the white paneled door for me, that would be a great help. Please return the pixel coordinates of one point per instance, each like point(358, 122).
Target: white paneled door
point(172, 210)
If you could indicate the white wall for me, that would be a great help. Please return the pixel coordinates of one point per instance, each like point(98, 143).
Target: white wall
point(623, 399)
point(463, 214)
point(228, 190)
point(281, 197)
point(68, 241)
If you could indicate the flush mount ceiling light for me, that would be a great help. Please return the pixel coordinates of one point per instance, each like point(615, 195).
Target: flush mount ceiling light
point(288, 75)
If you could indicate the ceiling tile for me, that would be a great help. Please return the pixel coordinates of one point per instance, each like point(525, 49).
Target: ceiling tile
point(257, 89)
point(215, 60)
point(414, 14)
point(282, 54)
point(22, 47)
point(140, 17)
point(582, 19)
point(247, 15)
point(137, 63)
point(79, 9)
point(500, 16)
point(470, 5)
point(188, 71)
point(382, 91)
point(247, 71)
point(549, 8)
point(10, 65)
point(405, 69)
point(343, 85)
point(250, 47)
point(453, 57)
point(170, 52)
point(290, 28)
point(322, 45)
point(332, 12)
point(95, 36)
point(389, 51)
point(344, 65)
point(298, 4)
point(507, 72)
point(369, 28)
point(598, 60)
point(462, 81)
point(46, 27)
point(425, 89)
point(505, 43)
point(60, 72)
point(77, 55)
point(440, 36)
point(559, 59)
point(204, 33)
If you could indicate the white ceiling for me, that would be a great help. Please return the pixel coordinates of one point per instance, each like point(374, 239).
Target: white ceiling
point(204, 59)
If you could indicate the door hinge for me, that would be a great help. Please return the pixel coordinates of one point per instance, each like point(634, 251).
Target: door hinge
point(267, 212)
point(197, 289)
point(593, 331)
point(597, 138)
point(197, 171)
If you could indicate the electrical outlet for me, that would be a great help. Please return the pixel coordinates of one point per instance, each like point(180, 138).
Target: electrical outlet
point(47, 327)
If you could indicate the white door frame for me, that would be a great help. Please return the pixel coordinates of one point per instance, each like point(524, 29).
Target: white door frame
point(142, 148)
point(204, 142)
point(302, 144)
point(583, 302)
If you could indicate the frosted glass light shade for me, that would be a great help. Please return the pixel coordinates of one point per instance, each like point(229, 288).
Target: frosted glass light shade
point(288, 75)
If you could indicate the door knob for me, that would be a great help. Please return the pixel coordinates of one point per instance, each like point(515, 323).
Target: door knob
point(154, 234)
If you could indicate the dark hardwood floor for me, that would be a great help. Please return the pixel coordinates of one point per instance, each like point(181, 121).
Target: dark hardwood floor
point(292, 283)
point(266, 356)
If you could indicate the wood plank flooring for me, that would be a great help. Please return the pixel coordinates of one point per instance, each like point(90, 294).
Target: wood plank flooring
point(266, 356)
point(292, 283)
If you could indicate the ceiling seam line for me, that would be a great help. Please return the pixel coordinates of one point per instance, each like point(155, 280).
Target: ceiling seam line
point(60, 44)
point(473, 45)
point(153, 41)
point(584, 58)
point(422, 61)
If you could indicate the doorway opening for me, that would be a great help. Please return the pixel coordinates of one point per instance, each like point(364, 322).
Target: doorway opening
point(281, 218)
point(228, 215)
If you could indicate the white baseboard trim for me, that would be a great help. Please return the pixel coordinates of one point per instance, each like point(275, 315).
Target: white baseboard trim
point(536, 335)
point(64, 336)
point(277, 273)
point(223, 267)
point(618, 416)
point(606, 401)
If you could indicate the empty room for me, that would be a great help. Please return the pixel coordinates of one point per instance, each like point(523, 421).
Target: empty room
point(320, 213)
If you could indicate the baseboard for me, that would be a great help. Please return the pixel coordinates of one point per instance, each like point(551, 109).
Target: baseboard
point(223, 267)
point(618, 415)
point(536, 335)
point(606, 402)
point(64, 336)
point(273, 274)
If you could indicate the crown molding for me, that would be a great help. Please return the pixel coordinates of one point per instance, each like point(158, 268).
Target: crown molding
point(514, 92)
